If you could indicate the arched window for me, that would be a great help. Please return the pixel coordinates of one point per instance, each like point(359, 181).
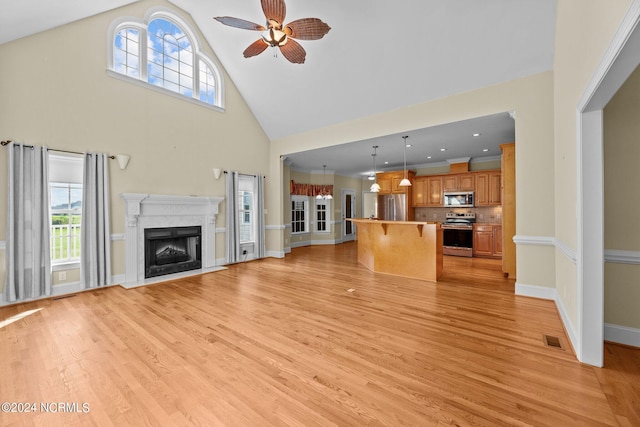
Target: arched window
point(164, 52)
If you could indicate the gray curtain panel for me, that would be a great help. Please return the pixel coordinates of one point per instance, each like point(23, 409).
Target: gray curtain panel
point(232, 220)
point(95, 249)
point(260, 235)
point(28, 260)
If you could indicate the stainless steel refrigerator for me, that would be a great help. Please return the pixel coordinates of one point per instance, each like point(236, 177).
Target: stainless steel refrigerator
point(392, 207)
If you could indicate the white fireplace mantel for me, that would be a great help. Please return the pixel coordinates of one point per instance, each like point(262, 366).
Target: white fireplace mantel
point(158, 210)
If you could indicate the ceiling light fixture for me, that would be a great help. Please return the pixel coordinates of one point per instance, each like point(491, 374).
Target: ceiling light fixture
point(477, 134)
point(405, 182)
point(277, 34)
point(324, 194)
point(443, 149)
point(375, 187)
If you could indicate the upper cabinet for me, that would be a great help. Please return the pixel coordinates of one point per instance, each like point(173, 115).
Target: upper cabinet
point(434, 191)
point(459, 182)
point(428, 189)
point(488, 188)
point(390, 182)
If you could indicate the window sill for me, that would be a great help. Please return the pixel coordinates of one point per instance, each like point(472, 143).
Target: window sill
point(71, 265)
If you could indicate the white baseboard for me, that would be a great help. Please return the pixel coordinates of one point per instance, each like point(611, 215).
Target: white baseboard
point(276, 254)
point(622, 335)
point(566, 321)
point(535, 291)
point(551, 294)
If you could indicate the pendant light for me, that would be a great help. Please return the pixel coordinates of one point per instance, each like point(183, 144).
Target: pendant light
point(405, 182)
point(375, 187)
point(324, 194)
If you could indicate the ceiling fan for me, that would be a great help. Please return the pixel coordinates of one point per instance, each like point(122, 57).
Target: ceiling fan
point(277, 34)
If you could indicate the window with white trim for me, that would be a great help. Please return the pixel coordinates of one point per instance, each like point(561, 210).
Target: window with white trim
point(322, 216)
point(65, 190)
point(246, 208)
point(163, 51)
point(299, 214)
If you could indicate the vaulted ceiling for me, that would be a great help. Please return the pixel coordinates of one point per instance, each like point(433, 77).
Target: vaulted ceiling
point(379, 55)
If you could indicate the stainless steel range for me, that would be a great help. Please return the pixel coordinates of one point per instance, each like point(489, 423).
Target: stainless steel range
point(458, 234)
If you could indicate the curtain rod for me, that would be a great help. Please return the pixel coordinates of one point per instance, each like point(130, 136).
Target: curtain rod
point(7, 142)
point(245, 174)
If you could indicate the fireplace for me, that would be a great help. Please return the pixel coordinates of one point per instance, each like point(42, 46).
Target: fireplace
point(187, 216)
point(171, 250)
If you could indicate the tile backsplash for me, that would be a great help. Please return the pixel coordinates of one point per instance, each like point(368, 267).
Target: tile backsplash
point(486, 214)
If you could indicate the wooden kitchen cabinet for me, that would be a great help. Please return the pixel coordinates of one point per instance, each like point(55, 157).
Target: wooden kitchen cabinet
point(487, 240)
point(497, 240)
point(488, 188)
point(434, 191)
point(420, 191)
point(508, 166)
point(385, 183)
point(459, 182)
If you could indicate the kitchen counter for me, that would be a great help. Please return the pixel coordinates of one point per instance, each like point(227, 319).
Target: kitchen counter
point(410, 249)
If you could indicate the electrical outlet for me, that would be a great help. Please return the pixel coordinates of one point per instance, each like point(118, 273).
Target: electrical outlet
point(244, 252)
point(62, 275)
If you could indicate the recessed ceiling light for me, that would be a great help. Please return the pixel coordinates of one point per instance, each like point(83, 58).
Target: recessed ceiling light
point(476, 134)
point(485, 150)
point(386, 163)
point(428, 157)
point(408, 145)
point(443, 149)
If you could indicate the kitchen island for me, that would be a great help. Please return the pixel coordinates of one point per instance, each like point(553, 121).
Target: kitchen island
point(403, 248)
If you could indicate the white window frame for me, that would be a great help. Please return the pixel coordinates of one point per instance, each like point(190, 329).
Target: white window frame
point(64, 170)
point(326, 203)
point(305, 201)
point(246, 185)
point(141, 25)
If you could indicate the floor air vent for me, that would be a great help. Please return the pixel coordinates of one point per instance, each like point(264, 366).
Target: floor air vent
point(553, 342)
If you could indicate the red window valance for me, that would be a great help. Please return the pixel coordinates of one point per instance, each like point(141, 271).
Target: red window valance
point(299, 189)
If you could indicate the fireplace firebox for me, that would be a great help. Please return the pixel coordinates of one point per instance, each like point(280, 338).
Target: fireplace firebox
point(172, 250)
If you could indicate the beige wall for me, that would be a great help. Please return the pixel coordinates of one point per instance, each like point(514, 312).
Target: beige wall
point(56, 92)
point(530, 98)
point(622, 203)
point(584, 29)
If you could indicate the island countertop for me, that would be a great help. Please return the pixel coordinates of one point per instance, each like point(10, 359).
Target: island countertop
point(402, 248)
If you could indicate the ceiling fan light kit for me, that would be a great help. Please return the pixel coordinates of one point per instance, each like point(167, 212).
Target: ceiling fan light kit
point(277, 34)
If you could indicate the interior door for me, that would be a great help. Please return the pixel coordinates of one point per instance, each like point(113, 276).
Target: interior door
point(348, 211)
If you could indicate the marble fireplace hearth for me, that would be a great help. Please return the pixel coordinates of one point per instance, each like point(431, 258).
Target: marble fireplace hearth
point(145, 211)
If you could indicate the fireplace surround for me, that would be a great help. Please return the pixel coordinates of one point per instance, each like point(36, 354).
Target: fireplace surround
point(155, 211)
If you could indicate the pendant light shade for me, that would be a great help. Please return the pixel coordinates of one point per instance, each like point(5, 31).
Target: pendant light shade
point(375, 187)
point(324, 194)
point(405, 182)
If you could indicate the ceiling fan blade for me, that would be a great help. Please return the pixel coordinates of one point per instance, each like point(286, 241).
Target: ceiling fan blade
point(255, 48)
point(274, 9)
point(239, 23)
point(307, 29)
point(293, 51)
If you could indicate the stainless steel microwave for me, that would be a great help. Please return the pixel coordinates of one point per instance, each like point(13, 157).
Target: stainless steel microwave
point(458, 199)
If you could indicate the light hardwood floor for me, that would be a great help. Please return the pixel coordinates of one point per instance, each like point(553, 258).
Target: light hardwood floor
point(314, 339)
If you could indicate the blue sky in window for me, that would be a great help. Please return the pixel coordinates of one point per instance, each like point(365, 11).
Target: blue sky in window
point(126, 60)
point(62, 196)
point(170, 57)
